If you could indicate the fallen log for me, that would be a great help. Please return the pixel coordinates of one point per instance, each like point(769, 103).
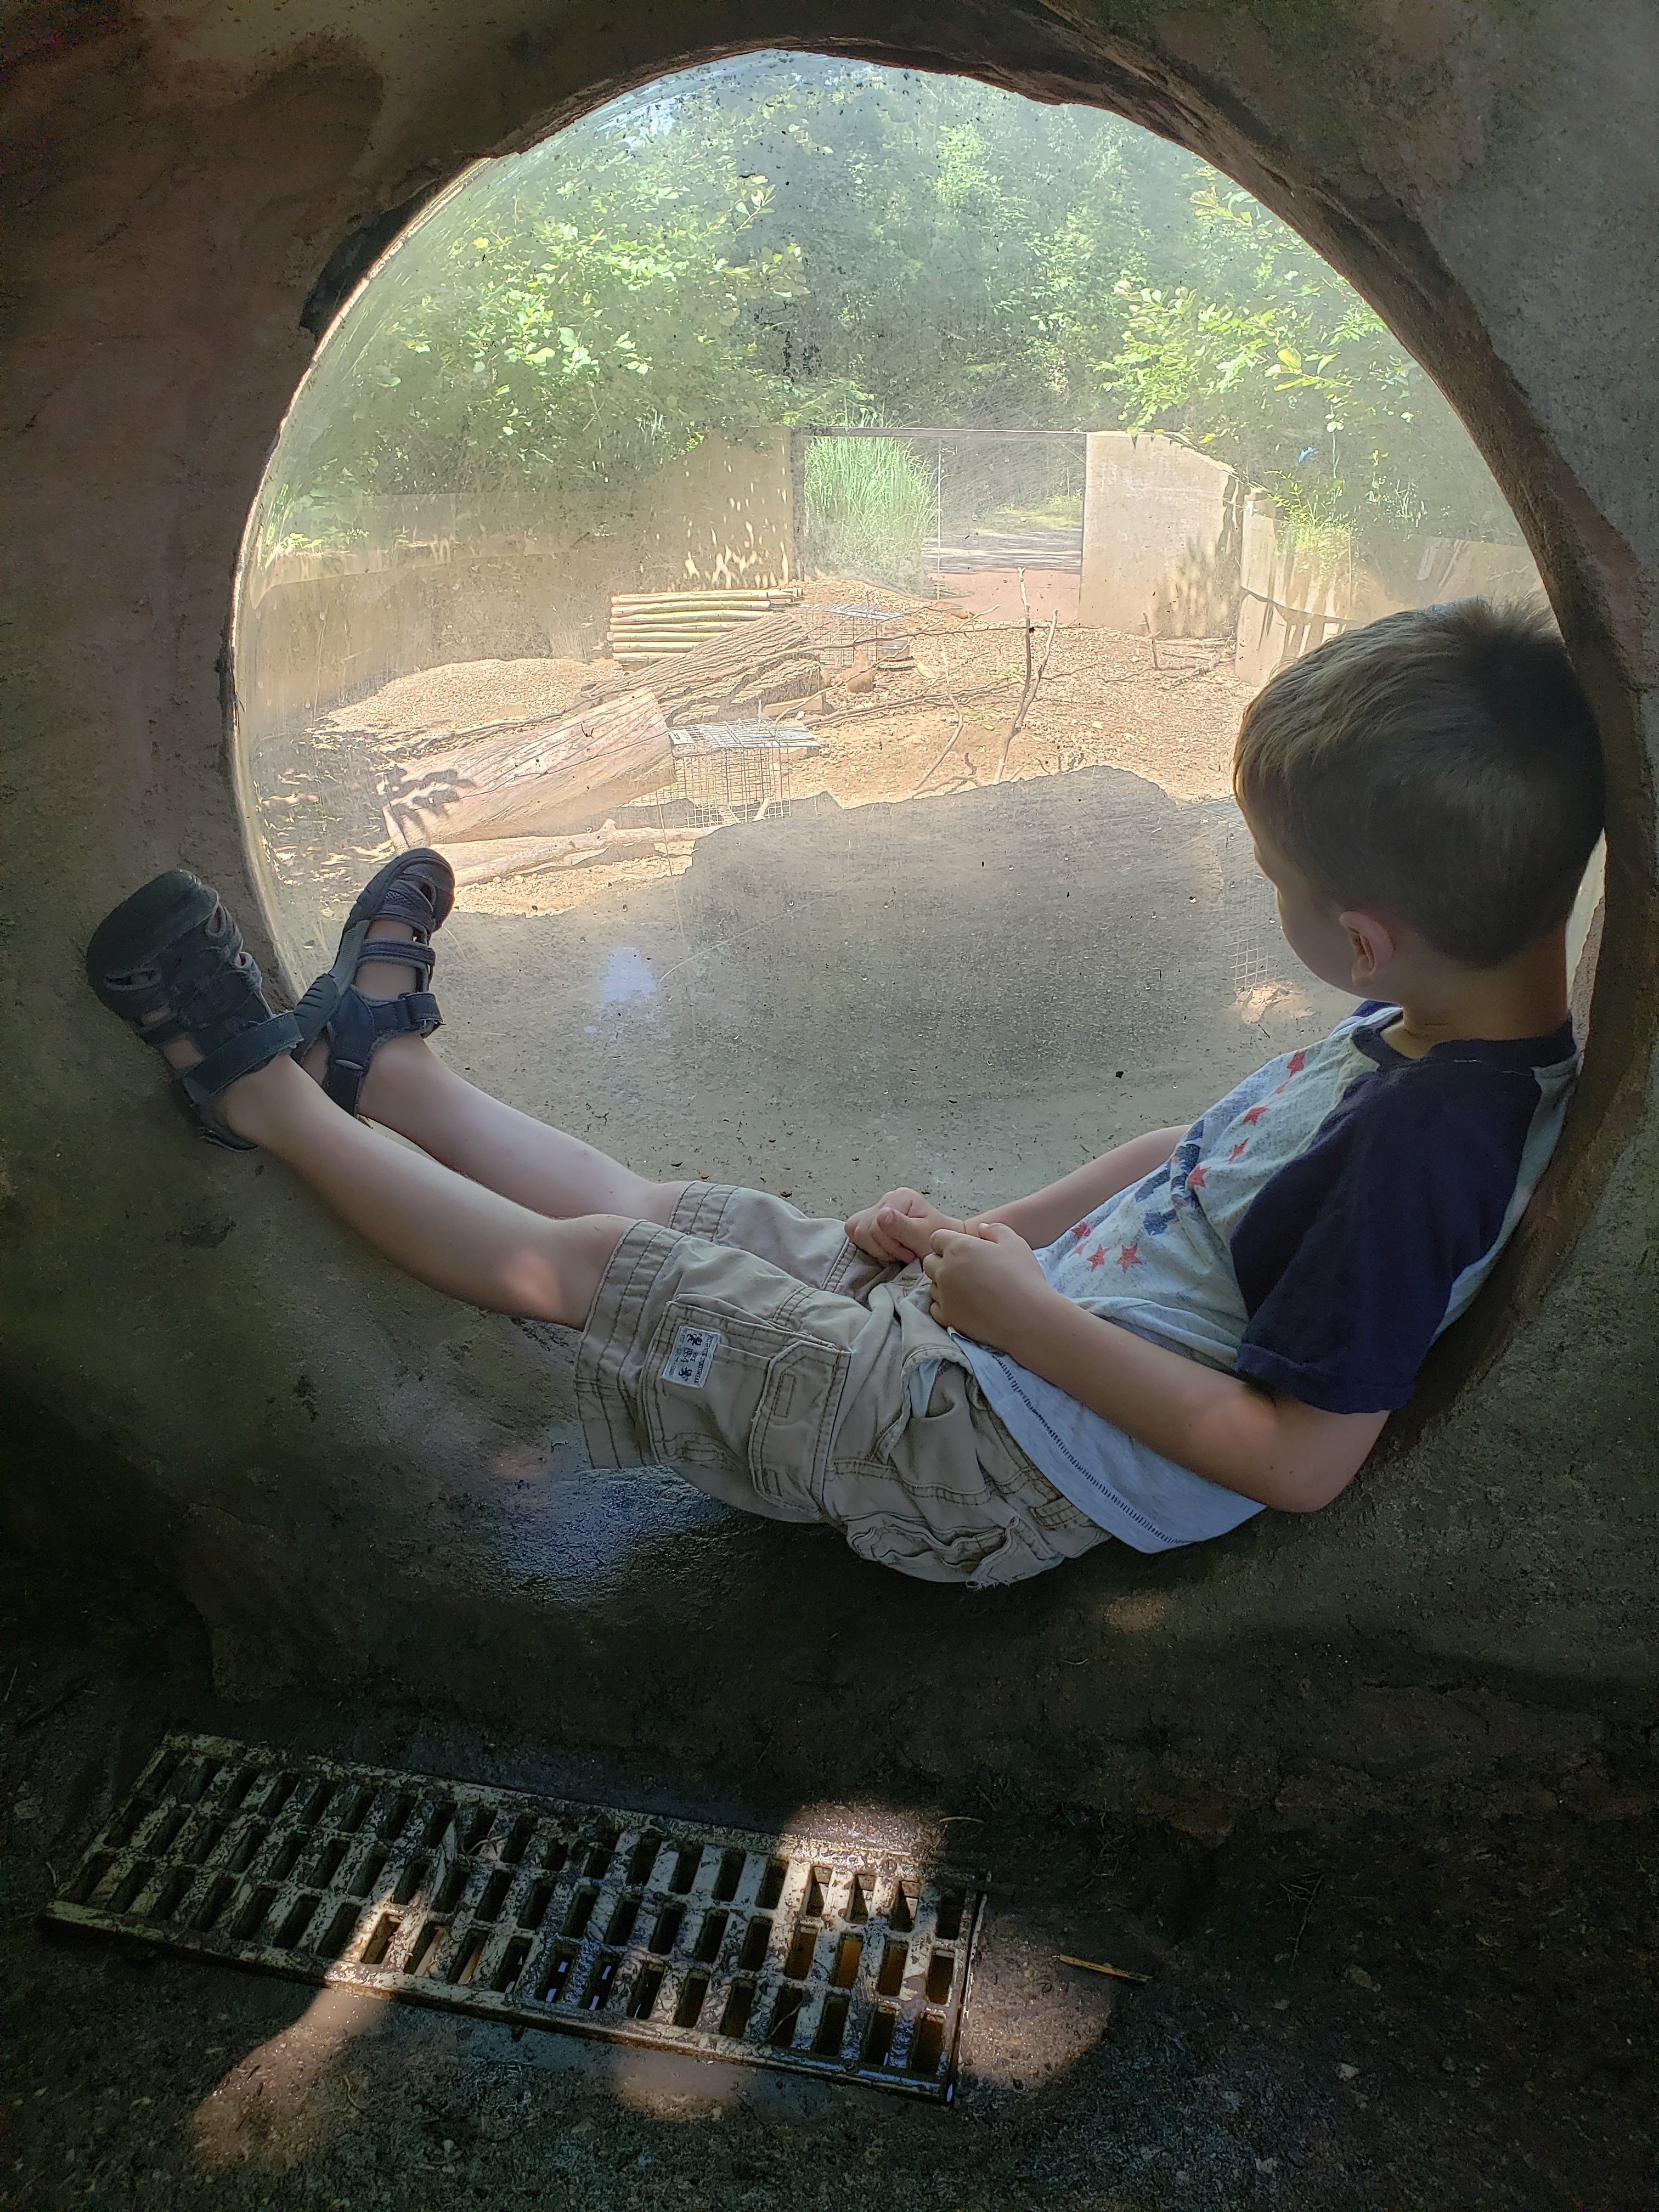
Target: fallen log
point(486, 859)
point(540, 779)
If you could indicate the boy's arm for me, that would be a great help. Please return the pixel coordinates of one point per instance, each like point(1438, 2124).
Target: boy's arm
point(1263, 1445)
point(1046, 1214)
point(901, 1226)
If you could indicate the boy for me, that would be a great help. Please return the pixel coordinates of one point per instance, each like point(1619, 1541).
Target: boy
point(1201, 1323)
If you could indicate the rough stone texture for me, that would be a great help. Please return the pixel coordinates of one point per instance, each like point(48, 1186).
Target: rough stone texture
point(340, 1470)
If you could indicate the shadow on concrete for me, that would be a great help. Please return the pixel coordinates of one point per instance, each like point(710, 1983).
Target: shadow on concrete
point(1434, 1994)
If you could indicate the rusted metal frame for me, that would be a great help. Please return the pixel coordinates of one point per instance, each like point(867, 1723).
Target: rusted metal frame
point(552, 1938)
point(246, 1825)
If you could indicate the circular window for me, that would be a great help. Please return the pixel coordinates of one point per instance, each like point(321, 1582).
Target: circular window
point(800, 541)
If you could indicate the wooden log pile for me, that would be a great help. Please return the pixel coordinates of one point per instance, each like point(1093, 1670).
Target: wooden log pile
point(543, 795)
point(651, 626)
point(731, 677)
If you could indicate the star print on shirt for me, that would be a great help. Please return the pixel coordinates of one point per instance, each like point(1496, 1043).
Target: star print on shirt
point(1295, 1063)
point(1097, 1257)
point(1237, 1149)
point(1129, 1257)
point(1254, 1115)
point(1081, 1232)
point(1198, 1178)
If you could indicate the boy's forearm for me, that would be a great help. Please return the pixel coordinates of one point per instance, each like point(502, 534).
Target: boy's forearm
point(1046, 1214)
point(1270, 1449)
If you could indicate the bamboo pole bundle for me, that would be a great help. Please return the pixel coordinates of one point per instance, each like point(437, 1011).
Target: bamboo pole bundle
point(777, 595)
point(655, 625)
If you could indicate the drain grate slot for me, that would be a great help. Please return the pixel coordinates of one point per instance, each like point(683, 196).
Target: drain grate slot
point(786, 1950)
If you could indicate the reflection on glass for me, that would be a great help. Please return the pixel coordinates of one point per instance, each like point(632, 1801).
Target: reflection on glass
point(801, 541)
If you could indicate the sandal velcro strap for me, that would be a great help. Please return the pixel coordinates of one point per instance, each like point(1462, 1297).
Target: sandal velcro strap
point(402, 953)
point(252, 1049)
point(416, 889)
point(360, 1026)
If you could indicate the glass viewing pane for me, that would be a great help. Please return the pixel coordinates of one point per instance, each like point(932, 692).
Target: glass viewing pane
point(801, 541)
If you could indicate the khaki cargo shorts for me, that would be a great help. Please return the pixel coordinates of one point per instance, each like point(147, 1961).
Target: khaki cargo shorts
point(766, 1359)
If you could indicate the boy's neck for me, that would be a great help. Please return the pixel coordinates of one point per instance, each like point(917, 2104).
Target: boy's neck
point(1525, 997)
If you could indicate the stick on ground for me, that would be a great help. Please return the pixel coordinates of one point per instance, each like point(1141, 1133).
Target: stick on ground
point(1094, 1967)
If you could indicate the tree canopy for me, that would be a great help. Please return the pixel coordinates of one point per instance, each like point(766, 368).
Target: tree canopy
point(790, 240)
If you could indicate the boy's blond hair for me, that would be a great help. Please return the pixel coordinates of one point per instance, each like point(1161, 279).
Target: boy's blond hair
point(1440, 767)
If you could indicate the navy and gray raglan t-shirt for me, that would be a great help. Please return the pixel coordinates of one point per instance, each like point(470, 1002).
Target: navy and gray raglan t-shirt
point(1315, 1231)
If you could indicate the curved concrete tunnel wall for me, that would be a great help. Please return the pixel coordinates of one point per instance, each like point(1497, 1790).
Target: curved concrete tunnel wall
point(352, 1480)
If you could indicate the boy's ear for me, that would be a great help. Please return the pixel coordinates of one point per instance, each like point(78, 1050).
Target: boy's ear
point(1373, 943)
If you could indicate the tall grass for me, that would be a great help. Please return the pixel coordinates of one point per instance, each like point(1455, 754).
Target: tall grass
point(870, 509)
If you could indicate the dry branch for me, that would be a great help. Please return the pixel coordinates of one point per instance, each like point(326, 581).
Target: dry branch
point(1034, 677)
point(933, 771)
point(1098, 1966)
point(907, 704)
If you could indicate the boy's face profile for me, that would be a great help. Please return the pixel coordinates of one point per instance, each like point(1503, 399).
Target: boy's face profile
point(1348, 950)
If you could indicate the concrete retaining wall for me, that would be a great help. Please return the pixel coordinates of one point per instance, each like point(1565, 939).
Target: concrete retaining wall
point(448, 577)
point(1291, 599)
point(1160, 539)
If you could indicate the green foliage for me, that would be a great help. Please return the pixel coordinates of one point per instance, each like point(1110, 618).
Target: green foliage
point(870, 509)
point(1265, 357)
point(552, 331)
point(791, 239)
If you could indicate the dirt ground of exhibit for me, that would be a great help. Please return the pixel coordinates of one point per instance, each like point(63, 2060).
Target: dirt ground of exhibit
point(378, 1501)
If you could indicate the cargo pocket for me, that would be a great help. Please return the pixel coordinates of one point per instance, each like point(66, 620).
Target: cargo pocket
point(793, 1428)
point(700, 1384)
point(912, 1548)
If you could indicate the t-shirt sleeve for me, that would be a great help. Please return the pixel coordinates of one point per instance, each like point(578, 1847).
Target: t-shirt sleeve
point(1347, 1257)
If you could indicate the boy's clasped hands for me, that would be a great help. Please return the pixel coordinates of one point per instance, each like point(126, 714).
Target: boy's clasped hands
point(985, 1277)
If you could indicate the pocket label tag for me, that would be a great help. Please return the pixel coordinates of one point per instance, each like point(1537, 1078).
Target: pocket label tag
point(690, 1356)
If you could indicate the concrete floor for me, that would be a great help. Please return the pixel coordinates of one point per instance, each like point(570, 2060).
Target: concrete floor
point(1437, 1996)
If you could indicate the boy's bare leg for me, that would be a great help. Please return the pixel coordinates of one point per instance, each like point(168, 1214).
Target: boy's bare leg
point(409, 1089)
point(450, 1231)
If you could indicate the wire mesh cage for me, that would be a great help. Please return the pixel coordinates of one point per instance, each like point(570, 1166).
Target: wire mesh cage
point(840, 634)
point(741, 771)
point(1250, 916)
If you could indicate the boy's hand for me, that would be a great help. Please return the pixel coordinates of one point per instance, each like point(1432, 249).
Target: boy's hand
point(986, 1281)
point(898, 1228)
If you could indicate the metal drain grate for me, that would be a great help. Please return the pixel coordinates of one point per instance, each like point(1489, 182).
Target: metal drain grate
point(830, 1957)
